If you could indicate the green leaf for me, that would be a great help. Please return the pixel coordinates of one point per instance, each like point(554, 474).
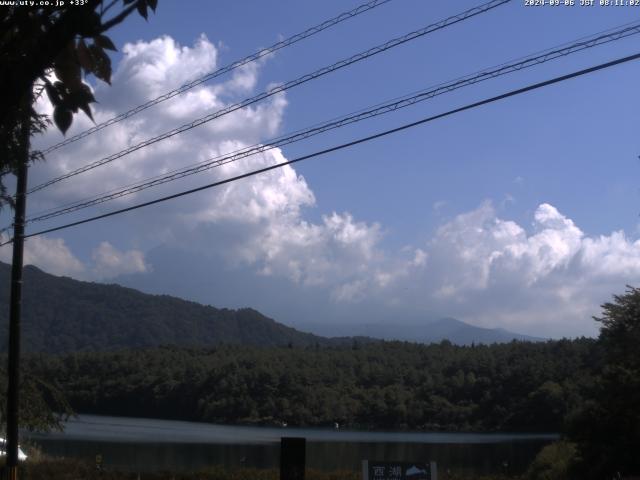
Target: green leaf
point(80, 99)
point(62, 117)
point(90, 25)
point(142, 9)
point(105, 42)
point(69, 74)
point(66, 66)
point(101, 63)
point(153, 4)
point(52, 93)
point(87, 110)
point(61, 90)
point(84, 56)
point(86, 94)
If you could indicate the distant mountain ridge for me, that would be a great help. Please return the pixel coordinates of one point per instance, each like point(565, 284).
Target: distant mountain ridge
point(61, 314)
point(432, 331)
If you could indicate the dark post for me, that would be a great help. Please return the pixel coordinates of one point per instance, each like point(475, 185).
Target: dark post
point(292, 458)
point(16, 297)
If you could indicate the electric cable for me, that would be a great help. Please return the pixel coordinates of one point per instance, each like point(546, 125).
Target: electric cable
point(365, 7)
point(281, 88)
point(380, 109)
point(342, 146)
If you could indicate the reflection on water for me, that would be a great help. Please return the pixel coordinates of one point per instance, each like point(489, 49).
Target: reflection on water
point(144, 445)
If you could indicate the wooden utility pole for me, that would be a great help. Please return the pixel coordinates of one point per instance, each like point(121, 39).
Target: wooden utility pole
point(13, 391)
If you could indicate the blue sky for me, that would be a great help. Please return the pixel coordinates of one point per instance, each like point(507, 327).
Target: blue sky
point(522, 214)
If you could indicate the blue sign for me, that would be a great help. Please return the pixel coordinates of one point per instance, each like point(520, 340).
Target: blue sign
point(374, 470)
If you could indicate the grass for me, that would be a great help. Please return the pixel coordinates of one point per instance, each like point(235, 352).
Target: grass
point(43, 467)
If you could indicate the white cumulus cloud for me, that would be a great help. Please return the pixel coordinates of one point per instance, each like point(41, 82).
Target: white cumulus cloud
point(553, 278)
point(257, 222)
point(50, 254)
point(109, 262)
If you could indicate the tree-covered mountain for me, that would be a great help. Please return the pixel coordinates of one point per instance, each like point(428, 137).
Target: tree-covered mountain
point(60, 314)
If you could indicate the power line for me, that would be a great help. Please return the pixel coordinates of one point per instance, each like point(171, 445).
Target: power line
point(566, 48)
point(281, 88)
point(523, 62)
point(365, 7)
point(380, 109)
point(511, 93)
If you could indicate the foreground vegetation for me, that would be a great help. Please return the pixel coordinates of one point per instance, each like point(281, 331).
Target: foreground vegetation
point(66, 469)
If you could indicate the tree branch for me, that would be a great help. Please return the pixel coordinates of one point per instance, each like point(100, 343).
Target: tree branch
point(120, 17)
point(108, 7)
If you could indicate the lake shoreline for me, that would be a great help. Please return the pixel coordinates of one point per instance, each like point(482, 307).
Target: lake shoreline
point(88, 426)
point(355, 428)
point(145, 445)
point(429, 428)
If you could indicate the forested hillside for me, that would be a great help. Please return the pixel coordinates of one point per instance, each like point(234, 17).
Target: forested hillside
point(516, 386)
point(60, 314)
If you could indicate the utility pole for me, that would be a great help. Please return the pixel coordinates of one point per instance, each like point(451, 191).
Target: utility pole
point(13, 393)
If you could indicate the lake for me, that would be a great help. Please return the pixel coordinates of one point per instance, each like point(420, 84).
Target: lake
point(141, 444)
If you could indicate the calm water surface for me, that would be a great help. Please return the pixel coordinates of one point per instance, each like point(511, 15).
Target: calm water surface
point(147, 444)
